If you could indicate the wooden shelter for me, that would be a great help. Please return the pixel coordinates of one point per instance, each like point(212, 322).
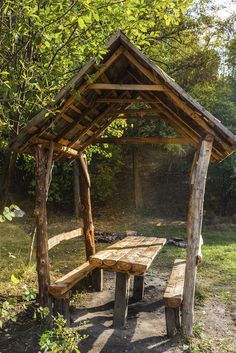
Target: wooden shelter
point(82, 111)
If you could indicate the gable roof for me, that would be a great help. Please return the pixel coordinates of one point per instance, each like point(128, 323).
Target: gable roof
point(92, 99)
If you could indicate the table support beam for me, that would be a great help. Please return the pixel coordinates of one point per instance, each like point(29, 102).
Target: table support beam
point(121, 299)
point(138, 289)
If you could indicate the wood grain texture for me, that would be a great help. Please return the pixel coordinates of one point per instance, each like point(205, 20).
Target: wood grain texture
point(133, 255)
point(173, 295)
point(57, 239)
point(65, 283)
point(121, 300)
point(194, 230)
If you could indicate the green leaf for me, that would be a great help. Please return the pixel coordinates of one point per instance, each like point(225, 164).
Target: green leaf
point(14, 280)
point(81, 23)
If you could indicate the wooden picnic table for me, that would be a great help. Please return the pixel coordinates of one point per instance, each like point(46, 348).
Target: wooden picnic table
point(132, 255)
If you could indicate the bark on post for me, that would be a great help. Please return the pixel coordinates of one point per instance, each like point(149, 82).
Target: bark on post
point(87, 209)
point(97, 274)
point(41, 226)
point(138, 196)
point(77, 199)
point(194, 229)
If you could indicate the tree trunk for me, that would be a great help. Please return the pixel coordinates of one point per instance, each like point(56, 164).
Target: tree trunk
point(8, 178)
point(194, 229)
point(77, 199)
point(41, 226)
point(138, 196)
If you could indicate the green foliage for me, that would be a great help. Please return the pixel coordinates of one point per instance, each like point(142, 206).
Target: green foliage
point(61, 338)
point(8, 213)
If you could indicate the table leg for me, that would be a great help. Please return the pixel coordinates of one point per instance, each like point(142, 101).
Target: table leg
point(121, 299)
point(97, 279)
point(138, 289)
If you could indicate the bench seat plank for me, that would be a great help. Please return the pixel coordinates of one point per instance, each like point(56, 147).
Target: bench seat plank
point(64, 284)
point(173, 295)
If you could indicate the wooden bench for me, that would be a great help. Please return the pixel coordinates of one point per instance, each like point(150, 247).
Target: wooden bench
point(173, 297)
point(60, 290)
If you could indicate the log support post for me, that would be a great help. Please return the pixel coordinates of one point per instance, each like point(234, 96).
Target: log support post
point(172, 321)
point(121, 299)
point(41, 226)
point(62, 306)
point(194, 229)
point(97, 275)
point(138, 289)
point(138, 194)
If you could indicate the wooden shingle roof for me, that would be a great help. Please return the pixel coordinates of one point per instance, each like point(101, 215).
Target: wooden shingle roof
point(97, 95)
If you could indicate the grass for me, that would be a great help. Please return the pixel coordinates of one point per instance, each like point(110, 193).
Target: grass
point(216, 276)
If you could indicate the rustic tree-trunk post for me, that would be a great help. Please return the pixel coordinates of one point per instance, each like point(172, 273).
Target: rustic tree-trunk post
point(41, 226)
point(77, 198)
point(97, 275)
point(194, 229)
point(138, 197)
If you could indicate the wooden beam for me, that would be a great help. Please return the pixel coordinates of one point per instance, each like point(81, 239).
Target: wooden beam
point(125, 100)
point(57, 147)
point(41, 227)
point(57, 239)
point(194, 229)
point(145, 140)
point(87, 210)
point(84, 167)
point(126, 87)
point(121, 299)
point(141, 112)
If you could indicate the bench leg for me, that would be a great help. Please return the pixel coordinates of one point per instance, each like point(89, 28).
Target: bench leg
point(138, 289)
point(97, 279)
point(62, 306)
point(172, 321)
point(121, 299)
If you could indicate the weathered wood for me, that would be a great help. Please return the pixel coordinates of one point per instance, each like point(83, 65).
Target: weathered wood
point(57, 239)
point(121, 299)
point(62, 306)
point(65, 283)
point(173, 295)
point(41, 227)
point(76, 187)
point(133, 255)
point(57, 146)
point(125, 100)
point(138, 193)
point(141, 111)
point(194, 228)
point(138, 288)
point(126, 87)
point(84, 168)
point(172, 316)
point(97, 279)
point(145, 140)
point(87, 210)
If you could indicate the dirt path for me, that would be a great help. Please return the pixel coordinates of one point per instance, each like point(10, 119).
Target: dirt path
point(145, 329)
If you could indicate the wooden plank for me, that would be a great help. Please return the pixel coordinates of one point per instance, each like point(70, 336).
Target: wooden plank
point(173, 295)
point(57, 239)
point(142, 256)
point(64, 284)
point(194, 230)
point(57, 146)
point(126, 87)
point(121, 300)
point(141, 112)
point(62, 306)
point(138, 289)
point(125, 100)
point(123, 245)
point(146, 140)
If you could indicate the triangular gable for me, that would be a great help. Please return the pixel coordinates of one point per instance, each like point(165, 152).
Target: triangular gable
point(92, 99)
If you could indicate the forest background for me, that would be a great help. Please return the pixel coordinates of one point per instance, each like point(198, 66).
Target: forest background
point(43, 43)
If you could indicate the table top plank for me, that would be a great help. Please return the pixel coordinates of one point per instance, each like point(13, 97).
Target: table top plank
point(142, 255)
point(133, 254)
point(124, 244)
